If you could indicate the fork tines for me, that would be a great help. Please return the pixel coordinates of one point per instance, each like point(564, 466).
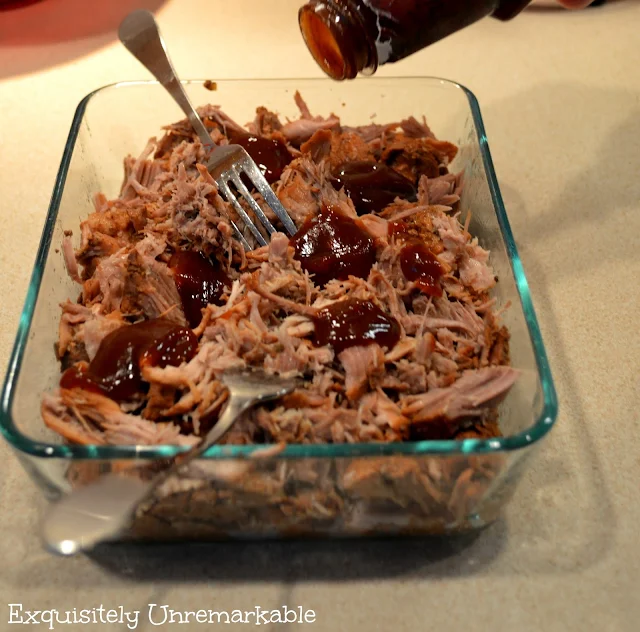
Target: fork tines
point(228, 166)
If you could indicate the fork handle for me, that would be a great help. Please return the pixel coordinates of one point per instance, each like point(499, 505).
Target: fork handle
point(140, 34)
point(100, 510)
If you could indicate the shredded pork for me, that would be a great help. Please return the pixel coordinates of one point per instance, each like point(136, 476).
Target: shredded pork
point(449, 367)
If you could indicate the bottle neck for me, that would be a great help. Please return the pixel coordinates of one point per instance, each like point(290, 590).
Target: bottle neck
point(347, 37)
point(339, 38)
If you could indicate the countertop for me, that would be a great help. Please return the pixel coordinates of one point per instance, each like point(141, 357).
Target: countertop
point(560, 94)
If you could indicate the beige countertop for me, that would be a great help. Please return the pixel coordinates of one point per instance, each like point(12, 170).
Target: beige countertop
point(560, 94)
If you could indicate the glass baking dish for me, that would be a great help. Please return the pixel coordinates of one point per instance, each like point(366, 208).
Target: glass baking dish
point(424, 487)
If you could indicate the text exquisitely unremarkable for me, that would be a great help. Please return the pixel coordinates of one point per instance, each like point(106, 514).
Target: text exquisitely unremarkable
point(157, 615)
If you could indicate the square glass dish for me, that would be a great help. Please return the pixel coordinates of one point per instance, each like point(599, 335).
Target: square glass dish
point(421, 487)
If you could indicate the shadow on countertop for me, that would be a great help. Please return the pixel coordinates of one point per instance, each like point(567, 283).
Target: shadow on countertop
point(52, 32)
point(341, 560)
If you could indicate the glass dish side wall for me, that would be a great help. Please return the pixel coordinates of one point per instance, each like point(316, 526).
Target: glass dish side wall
point(330, 497)
point(472, 478)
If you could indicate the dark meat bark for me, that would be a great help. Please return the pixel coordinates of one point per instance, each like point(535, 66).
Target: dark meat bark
point(416, 157)
point(337, 148)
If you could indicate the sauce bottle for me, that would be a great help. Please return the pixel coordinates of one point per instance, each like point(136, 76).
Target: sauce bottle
point(347, 37)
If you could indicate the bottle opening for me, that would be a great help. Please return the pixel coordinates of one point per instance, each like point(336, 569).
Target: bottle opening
point(321, 32)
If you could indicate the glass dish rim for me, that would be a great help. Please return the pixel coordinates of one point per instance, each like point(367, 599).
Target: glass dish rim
point(521, 440)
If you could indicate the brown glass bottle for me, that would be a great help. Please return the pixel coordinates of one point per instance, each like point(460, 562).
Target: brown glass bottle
point(347, 37)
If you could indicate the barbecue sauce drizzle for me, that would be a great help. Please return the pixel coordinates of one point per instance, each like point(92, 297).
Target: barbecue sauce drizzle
point(420, 265)
point(270, 154)
point(331, 245)
point(354, 322)
point(116, 369)
point(372, 186)
point(198, 281)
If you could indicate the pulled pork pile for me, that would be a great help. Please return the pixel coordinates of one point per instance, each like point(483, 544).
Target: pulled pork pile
point(380, 302)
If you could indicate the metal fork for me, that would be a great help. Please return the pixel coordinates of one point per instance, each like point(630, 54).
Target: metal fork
point(141, 36)
point(101, 510)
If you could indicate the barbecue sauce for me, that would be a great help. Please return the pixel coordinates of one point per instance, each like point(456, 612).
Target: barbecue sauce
point(333, 246)
point(270, 154)
point(347, 37)
point(115, 371)
point(198, 281)
point(420, 265)
point(438, 428)
point(372, 186)
point(79, 377)
point(353, 322)
point(397, 228)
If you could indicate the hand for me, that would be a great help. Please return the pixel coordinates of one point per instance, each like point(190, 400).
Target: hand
point(575, 4)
